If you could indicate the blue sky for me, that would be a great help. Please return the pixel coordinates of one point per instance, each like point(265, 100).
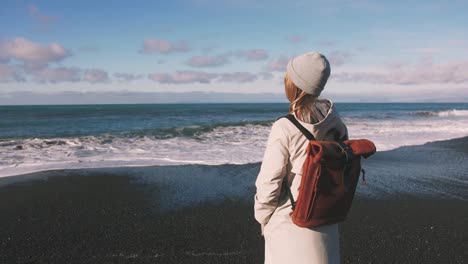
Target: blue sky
point(379, 50)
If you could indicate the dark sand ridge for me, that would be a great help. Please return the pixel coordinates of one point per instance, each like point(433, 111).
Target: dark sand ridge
point(415, 213)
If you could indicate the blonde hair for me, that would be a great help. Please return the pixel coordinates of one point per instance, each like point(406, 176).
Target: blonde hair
point(300, 102)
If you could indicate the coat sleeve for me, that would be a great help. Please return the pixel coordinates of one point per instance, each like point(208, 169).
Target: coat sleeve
point(272, 172)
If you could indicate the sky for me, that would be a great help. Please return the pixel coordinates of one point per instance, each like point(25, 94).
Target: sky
point(207, 50)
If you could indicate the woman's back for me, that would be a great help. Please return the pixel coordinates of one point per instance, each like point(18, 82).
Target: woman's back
point(285, 137)
point(282, 163)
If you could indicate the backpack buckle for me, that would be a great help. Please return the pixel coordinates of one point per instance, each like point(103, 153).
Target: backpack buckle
point(346, 151)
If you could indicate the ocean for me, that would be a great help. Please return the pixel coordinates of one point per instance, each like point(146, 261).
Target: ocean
point(45, 137)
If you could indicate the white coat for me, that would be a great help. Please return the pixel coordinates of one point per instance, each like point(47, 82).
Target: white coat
point(284, 155)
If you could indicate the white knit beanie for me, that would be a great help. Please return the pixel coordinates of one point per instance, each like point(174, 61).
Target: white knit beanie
point(309, 72)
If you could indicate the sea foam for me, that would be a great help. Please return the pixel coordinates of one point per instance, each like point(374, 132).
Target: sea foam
point(222, 145)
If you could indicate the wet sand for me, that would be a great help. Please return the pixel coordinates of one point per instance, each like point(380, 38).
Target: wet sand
point(108, 219)
point(113, 218)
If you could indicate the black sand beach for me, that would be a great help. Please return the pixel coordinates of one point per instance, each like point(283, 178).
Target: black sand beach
point(122, 216)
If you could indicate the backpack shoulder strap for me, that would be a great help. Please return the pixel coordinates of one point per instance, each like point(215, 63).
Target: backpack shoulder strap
point(304, 131)
point(309, 136)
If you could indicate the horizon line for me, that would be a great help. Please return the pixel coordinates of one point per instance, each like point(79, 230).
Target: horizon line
point(174, 103)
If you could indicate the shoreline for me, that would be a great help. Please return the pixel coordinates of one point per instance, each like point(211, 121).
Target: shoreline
point(438, 168)
point(21, 170)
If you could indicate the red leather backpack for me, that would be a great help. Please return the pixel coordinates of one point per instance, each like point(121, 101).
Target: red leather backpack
point(330, 175)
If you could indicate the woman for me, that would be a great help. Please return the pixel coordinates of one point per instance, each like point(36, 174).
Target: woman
point(306, 76)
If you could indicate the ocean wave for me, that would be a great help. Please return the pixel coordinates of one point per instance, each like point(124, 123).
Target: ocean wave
point(442, 113)
point(193, 131)
point(221, 145)
point(225, 143)
point(189, 131)
point(371, 116)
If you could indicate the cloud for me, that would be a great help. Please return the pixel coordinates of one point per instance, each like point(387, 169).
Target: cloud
point(9, 73)
point(153, 45)
point(183, 77)
point(95, 76)
point(30, 52)
point(295, 39)
point(266, 75)
point(34, 60)
point(207, 61)
point(238, 77)
point(44, 20)
point(55, 75)
point(222, 59)
point(278, 64)
point(252, 54)
point(337, 58)
point(66, 74)
point(411, 74)
point(127, 77)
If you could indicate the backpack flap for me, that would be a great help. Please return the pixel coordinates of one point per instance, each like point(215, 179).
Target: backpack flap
point(361, 147)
